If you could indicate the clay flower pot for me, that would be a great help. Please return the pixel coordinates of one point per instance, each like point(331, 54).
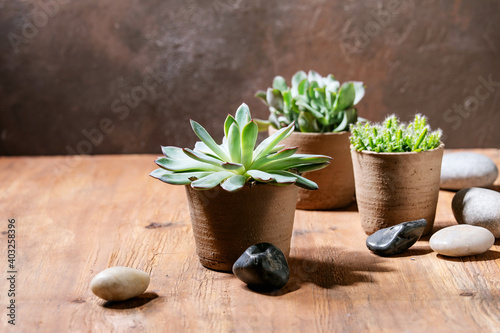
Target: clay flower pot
point(225, 224)
point(396, 187)
point(336, 181)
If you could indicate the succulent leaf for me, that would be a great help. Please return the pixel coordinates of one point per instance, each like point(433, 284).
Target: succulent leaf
point(314, 77)
point(243, 115)
point(300, 181)
point(271, 177)
point(296, 80)
point(311, 167)
point(260, 176)
point(201, 147)
point(345, 97)
point(281, 179)
point(248, 140)
point(273, 157)
point(262, 95)
point(208, 140)
point(307, 122)
point(227, 124)
point(359, 89)
point(295, 161)
point(274, 98)
point(234, 167)
point(234, 143)
point(323, 97)
point(234, 183)
point(303, 86)
point(279, 83)
point(173, 152)
point(276, 149)
point(211, 181)
point(263, 125)
point(198, 156)
point(178, 178)
point(185, 165)
point(235, 162)
point(266, 146)
point(343, 124)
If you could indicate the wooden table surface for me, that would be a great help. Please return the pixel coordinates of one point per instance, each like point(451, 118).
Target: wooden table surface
point(77, 216)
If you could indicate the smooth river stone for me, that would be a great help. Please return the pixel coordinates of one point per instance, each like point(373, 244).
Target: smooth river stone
point(396, 239)
point(462, 240)
point(262, 266)
point(461, 170)
point(119, 283)
point(479, 207)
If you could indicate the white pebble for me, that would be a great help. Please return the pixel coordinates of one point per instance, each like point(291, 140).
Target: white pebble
point(119, 283)
point(462, 240)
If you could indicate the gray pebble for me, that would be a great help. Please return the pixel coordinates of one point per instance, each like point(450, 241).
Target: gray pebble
point(479, 207)
point(461, 170)
point(263, 267)
point(396, 239)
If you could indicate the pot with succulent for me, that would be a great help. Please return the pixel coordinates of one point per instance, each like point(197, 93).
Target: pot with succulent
point(238, 195)
point(396, 170)
point(322, 111)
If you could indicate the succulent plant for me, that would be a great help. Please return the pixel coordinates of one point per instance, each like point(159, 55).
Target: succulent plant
point(314, 103)
point(392, 136)
point(236, 161)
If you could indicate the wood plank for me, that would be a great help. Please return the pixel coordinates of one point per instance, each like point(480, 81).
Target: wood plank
point(105, 210)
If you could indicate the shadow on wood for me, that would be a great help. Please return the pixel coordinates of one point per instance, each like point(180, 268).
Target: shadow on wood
point(288, 288)
point(332, 267)
point(413, 252)
point(494, 188)
point(131, 303)
point(353, 207)
point(436, 228)
point(487, 256)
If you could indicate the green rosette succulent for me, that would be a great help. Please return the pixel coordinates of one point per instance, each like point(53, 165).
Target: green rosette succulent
point(392, 136)
point(236, 162)
point(314, 103)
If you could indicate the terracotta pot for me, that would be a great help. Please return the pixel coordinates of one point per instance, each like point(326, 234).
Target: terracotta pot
point(392, 188)
point(336, 181)
point(226, 224)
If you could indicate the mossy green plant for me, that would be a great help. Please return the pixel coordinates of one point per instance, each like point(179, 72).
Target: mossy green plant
point(392, 136)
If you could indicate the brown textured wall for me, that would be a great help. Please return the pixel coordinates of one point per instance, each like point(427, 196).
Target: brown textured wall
point(129, 74)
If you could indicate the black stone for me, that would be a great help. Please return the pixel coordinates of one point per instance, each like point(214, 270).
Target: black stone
point(263, 267)
point(396, 239)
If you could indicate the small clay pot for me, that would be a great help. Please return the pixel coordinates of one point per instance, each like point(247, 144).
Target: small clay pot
point(336, 181)
point(225, 224)
point(392, 188)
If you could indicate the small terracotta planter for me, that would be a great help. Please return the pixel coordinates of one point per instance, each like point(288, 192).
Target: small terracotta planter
point(225, 224)
point(396, 187)
point(336, 181)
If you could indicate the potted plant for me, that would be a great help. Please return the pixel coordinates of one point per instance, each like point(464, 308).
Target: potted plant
point(238, 196)
point(396, 170)
point(322, 111)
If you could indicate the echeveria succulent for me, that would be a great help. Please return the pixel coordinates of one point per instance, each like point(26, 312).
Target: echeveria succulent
point(236, 161)
point(314, 103)
point(392, 136)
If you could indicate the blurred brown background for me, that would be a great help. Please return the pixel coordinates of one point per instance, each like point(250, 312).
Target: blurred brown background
point(102, 76)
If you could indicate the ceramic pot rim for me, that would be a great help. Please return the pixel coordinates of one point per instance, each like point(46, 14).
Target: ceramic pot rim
point(313, 133)
point(374, 153)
